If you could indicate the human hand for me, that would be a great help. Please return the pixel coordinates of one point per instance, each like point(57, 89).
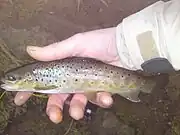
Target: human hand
point(99, 44)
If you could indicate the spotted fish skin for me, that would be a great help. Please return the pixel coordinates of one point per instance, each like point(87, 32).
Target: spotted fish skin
point(77, 75)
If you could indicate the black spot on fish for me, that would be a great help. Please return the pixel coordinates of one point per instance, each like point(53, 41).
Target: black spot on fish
point(55, 80)
point(128, 74)
point(76, 80)
point(95, 74)
point(76, 70)
point(36, 80)
point(64, 81)
point(62, 66)
point(122, 76)
point(111, 72)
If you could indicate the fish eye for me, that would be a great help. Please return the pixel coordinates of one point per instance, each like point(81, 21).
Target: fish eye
point(11, 78)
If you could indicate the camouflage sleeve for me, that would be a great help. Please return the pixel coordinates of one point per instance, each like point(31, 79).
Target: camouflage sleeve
point(150, 33)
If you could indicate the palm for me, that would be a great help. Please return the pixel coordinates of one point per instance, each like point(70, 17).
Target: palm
point(95, 44)
point(98, 44)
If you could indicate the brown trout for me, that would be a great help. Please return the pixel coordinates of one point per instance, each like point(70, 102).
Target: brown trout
point(77, 75)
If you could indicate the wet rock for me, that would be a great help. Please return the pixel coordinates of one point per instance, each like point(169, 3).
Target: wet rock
point(109, 120)
point(175, 129)
point(17, 40)
point(7, 60)
point(4, 116)
point(108, 124)
point(173, 88)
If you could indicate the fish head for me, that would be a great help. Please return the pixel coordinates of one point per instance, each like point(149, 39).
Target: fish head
point(18, 79)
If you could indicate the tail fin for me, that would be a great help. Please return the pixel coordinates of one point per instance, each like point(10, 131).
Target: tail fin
point(155, 82)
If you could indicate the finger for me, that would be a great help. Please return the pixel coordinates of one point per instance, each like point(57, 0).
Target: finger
point(54, 51)
point(55, 106)
point(104, 99)
point(77, 106)
point(22, 97)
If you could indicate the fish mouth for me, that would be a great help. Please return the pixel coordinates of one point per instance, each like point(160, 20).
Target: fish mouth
point(9, 87)
point(12, 87)
point(6, 85)
point(5, 81)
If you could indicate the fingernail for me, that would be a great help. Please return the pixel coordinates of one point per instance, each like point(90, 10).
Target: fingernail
point(19, 101)
point(32, 48)
point(21, 98)
point(55, 115)
point(76, 112)
point(106, 100)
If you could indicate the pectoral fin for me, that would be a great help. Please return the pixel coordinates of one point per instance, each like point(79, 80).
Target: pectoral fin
point(133, 96)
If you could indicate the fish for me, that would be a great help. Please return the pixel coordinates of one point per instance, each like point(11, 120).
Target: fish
point(77, 75)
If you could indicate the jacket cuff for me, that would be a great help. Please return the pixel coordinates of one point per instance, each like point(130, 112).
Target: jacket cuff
point(147, 34)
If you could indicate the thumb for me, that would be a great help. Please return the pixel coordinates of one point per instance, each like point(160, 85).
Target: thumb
point(59, 50)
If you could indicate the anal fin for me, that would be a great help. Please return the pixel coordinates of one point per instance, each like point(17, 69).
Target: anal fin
point(133, 96)
point(91, 96)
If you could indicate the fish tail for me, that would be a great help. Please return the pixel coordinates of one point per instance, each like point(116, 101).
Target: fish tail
point(148, 87)
point(156, 82)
